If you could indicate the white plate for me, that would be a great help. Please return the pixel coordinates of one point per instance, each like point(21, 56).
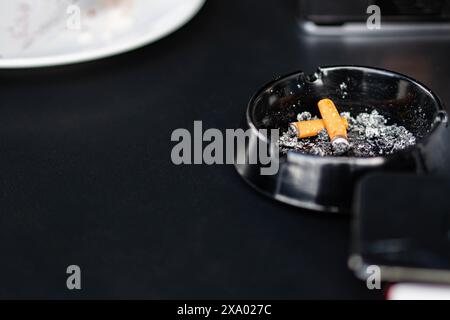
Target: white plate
point(61, 39)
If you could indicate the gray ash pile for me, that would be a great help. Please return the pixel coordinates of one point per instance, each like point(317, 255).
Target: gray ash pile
point(369, 135)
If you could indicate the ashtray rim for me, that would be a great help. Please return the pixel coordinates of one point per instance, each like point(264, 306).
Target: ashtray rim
point(441, 116)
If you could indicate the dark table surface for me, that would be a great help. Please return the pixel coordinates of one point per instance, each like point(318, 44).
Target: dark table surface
point(87, 177)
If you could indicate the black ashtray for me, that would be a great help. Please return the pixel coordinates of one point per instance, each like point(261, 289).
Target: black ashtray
point(327, 183)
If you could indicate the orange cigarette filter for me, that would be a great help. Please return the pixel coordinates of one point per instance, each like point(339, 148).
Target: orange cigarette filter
point(332, 120)
point(311, 128)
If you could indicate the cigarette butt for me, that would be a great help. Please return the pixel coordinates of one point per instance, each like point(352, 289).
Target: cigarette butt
point(310, 128)
point(334, 125)
point(331, 119)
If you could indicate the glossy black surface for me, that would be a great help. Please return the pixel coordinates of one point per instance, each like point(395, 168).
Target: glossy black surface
point(328, 183)
point(410, 231)
point(87, 179)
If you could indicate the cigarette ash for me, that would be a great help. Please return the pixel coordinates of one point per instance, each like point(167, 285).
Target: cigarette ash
point(368, 136)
